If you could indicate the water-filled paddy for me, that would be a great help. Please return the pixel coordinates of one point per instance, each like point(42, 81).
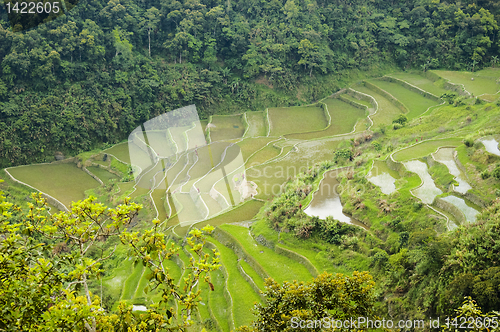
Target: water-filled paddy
point(469, 212)
point(326, 201)
point(428, 190)
point(344, 118)
point(102, 173)
point(383, 177)
point(300, 119)
point(425, 148)
point(226, 127)
point(491, 145)
point(414, 102)
point(65, 182)
point(445, 156)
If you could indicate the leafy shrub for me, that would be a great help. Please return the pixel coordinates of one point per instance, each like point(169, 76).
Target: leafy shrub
point(397, 126)
point(377, 146)
point(345, 154)
point(496, 173)
point(401, 119)
point(468, 141)
point(459, 101)
point(380, 258)
point(417, 206)
point(448, 97)
point(485, 174)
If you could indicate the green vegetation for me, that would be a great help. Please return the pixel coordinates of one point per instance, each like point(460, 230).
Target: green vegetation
point(343, 119)
point(226, 127)
point(257, 124)
point(79, 85)
point(416, 103)
point(267, 258)
point(420, 81)
point(65, 182)
point(120, 151)
point(425, 148)
point(102, 173)
point(477, 83)
point(386, 110)
point(288, 120)
point(242, 295)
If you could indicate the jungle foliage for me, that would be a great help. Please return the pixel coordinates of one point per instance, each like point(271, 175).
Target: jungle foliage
point(91, 76)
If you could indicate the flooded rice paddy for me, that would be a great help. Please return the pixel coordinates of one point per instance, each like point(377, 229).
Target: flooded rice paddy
point(445, 156)
point(427, 190)
point(384, 177)
point(326, 201)
point(491, 145)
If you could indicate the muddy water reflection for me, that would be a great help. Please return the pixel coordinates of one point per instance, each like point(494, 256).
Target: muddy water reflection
point(491, 145)
point(469, 212)
point(383, 177)
point(445, 156)
point(326, 201)
point(428, 190)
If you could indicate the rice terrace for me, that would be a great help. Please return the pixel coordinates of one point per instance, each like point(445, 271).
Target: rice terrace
point(353, 156)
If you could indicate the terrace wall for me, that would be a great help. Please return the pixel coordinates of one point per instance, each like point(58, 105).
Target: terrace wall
point(451, 209)
point(411, 87)
point(230, 242)
point(362, 96)
point(297, 257)
point(447, 85)
point(387, 95)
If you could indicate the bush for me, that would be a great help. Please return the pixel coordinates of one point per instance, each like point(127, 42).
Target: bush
point(468, 141)
point(401, 119)
point(377, 146)
point(485, 174)
point(448, 97)
point(496, 173)
point(459, 101)
point(397, 126)
point(345, 153)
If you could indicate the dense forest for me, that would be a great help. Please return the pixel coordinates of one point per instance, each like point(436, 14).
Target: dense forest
point(91, 76)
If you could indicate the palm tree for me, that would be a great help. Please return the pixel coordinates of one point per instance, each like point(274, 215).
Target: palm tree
point(225, 73)
point(473, 64)
point(235, 84)
point(494, 60)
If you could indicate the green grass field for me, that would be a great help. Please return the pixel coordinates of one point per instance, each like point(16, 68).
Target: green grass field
point(386, 111)
point(425, 149)
point(359, 101)
point(414, 102)
point(217, 302)
point(159, 200)
point(436, 88)
point(257, 279)
point(290, 120)
point(484, 81)
point(134, 277)
point(65, 182)
point(243, 212)
point(242, 294)
point(257, 124)
point(279, 267)
point(226, 127)
point(344, 117)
